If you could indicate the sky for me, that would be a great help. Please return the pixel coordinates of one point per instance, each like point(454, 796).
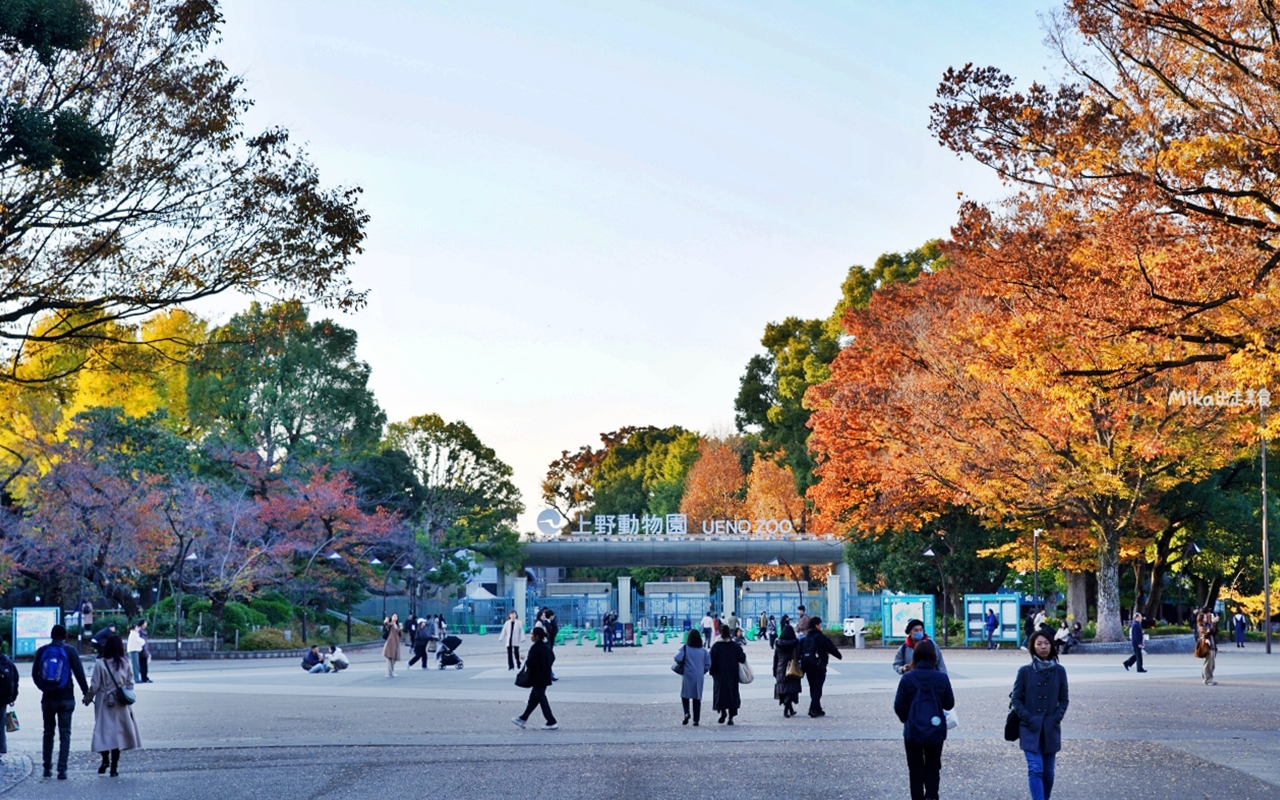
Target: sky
point(584, 214)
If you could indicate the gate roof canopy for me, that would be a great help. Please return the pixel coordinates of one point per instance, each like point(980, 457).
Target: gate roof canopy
point(682, 553)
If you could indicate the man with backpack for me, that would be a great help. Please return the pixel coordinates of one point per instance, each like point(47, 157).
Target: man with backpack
point(55, 665)
point(815, 649)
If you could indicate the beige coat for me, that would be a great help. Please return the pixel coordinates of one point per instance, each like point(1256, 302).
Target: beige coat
point(391, 649)
point(114, 727)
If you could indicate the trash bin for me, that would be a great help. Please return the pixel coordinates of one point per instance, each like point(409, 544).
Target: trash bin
point(854, 628)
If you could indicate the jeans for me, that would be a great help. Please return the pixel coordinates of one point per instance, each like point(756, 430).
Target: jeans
point(991, 633)
point(608, 638)
point(815, 678)
point(924, 763)
point(1040, 774)
point(318, 669)
point(1137, 656)
point(697, 708)
point(133, 662)
point(57, 712)
point(513, 656)
point(538, 697)
point(143, 660)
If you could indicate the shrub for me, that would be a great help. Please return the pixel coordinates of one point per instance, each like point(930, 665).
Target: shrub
point(239, 617)
point(265, 639)
point(276, 612)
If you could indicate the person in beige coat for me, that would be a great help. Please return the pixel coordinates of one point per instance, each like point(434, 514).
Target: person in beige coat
point(391, 650)
point(114, 728)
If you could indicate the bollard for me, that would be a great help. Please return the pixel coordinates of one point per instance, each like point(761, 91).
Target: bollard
point(579, 638)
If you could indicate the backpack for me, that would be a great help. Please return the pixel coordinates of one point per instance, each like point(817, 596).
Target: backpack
point(8, 681)
point(810, 655)
point(926, 721)
point(53, 668)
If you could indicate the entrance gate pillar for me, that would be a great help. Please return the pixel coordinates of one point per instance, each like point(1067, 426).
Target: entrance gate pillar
point(835, 609)
point(624, 599)
point(519, 597)
point(728, 595)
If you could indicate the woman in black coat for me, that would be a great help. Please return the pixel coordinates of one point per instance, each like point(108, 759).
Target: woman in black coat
point(787, 689)
point(726, 655)
point(537, 664)
point(1040, 701)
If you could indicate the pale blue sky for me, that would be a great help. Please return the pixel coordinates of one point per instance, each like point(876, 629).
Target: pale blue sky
point(585, 213)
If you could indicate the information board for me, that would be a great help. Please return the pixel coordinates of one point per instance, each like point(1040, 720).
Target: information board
point(31, 628)
point(897, 609)
point(1007, 608)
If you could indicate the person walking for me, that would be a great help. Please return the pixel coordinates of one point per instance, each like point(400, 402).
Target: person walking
point(815, 651)
point(726, 655)
point(144, 655)
point(695, 663)
point(708, 624)
point(802, 623)
point(53, 669)
point(1040, 700)
point(512, 637)
point(903, 659)
point(1207, 634)
point(1136, 640)
point(763, 628)
point(9, 685)
point(134, 648)
point(771, 627)
point(391, 649)
point(924, 696)
point(114, 728)
point(991, 625)
point(1239, 623)
point(787, 688)
point(420, 641)
point(538, 667)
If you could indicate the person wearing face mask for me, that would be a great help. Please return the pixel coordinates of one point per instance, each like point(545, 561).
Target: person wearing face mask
point(1039, 699)
point(915, 635)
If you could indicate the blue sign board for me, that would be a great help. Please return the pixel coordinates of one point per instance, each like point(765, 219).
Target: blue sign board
point(1008, 616)
point(896, 609)
point(31, 628)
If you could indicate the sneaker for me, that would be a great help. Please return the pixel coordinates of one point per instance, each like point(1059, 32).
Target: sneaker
point(519, 723)
point(551, 726)
point(48, 772)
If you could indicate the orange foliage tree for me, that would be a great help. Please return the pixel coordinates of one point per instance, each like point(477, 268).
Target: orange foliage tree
point(715, 485)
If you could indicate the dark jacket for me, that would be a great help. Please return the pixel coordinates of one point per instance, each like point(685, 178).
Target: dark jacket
point(538, 663)
point(12, 689)
point(310, 659)
point(99, 639)
point(77, 675)
point(992, 623)
point(817, 641)
point(1040, 701)
point(785, 650)
point(725, 658)
point(922, 675)
point(1135, 633)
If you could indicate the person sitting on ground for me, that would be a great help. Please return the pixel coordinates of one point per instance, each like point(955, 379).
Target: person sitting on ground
point(312, 662)
point(335, 659)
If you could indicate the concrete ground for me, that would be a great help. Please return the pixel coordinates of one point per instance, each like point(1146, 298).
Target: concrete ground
point(266, 729)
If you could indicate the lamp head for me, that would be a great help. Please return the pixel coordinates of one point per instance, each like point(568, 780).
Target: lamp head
point(774, 562)
point(928, 552)
point(375, 562)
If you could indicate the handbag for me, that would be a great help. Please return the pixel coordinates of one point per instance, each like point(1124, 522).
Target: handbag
point(1202, 648)
point(794, 671)
point(522, 678)
point(745, 675)
point(953, 721)
point(11, 724)
point(124, 696)
point(678, 667)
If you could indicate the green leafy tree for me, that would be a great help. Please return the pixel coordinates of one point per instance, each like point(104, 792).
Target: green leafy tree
point(128, 183)
point(291, 389)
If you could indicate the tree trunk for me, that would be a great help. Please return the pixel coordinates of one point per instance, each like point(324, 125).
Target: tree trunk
point(1077, 597)
point(1109, 586)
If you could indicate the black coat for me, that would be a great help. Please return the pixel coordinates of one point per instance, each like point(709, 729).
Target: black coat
point(1040, 701)
point(816, 640)
point(923, 674)
point(538, 664)
point(725, 658)
point(786, 688)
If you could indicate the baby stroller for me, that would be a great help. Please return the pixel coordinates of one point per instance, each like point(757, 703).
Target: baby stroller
point(445, 652)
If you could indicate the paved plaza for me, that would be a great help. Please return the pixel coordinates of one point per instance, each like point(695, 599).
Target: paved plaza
point(265, 729)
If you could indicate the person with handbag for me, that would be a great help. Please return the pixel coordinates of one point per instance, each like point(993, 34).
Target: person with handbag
point(512, 637)
point(111, 692)
point(924, 697)
point(1207, 644)
point(536, 674)
point(726, 655)
point(693, 662)
point(786, 671)
point(1039, 700)
point(8, 696)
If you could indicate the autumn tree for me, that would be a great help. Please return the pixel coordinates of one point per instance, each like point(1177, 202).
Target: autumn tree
point(715, 487)
point(128, 183)
point(954, 394)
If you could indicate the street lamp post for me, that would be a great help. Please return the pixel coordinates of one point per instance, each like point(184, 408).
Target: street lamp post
point(1266, 550)
point(942, 577)
point(177, 609)
point(1035, 560)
